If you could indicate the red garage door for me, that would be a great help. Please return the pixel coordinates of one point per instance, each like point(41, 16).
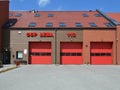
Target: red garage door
point(101, 53)
point(71, 53)
point(40, 52)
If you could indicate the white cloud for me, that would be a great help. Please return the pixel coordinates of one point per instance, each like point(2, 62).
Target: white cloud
point(43, 3)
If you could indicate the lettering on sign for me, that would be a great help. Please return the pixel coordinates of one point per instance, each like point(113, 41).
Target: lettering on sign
point(31, 34)
point(71, 34)
point(46, 34)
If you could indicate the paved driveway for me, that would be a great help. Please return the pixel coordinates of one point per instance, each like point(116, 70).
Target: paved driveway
point(69, 77)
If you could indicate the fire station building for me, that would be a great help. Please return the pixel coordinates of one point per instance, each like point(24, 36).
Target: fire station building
point(61, 37)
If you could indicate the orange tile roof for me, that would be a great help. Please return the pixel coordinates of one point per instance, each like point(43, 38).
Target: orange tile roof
point(115, 16)
point(68, 17)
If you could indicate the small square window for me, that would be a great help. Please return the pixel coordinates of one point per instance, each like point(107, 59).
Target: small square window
point(36, 15)
point(108, 24)
point(62, 24)
point(19, 55)
point(50, 15)
point(49, 24)
point(18, 15)
point(85, 15)
point(11, 23)
point(97, 15)
point(32, 24)
point(92, 24)
point(10, 15)
point(78, 24)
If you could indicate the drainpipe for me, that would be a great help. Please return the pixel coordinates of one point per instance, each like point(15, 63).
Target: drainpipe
point(55, 46)
point(116, 45)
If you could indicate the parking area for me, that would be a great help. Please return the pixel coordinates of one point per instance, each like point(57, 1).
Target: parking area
point(62, 77)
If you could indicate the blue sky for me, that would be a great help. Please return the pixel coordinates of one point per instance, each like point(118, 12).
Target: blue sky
point(63, 5)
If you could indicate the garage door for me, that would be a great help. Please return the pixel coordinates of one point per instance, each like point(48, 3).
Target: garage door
point(71, 53)
point(40, 53)
point(101, 53)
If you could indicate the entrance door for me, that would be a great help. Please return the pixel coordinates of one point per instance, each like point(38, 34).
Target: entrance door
point(6, 57)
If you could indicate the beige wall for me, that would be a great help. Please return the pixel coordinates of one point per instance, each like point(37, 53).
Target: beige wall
point(62, 37)
point(19, 42)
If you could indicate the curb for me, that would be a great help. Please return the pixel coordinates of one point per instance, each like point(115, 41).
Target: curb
point(7, 69)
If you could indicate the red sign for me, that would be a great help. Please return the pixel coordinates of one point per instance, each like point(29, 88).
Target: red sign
point(71, 34)
point(46, 34)
point(31, 34)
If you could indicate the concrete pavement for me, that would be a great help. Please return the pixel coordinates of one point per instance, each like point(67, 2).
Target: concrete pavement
point(61, 77)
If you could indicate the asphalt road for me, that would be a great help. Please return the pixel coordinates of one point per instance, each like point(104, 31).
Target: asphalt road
point(61, 77)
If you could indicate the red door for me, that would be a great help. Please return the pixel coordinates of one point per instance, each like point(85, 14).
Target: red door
point(101, 53)
point(71, 53)
point(40, 53)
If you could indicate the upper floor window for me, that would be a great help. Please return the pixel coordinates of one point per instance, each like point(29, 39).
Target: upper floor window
point(108, 24)
point(32, 24)
point(62, 24)
point(37, 15)
point(85, 15)
point(50, 15)
point(92, 24)
point(97, 15)
point(10, 15)
point(78, 24)
point(18, 15)
point(49, 24)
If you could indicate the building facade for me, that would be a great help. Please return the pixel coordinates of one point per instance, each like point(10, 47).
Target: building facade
point(61, 37)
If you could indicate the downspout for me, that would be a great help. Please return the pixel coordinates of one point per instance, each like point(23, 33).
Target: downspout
point(116, 34)
point(55, 46)
point(115, 23)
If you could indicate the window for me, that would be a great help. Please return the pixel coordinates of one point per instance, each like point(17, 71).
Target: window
point(50, 15)
point(32, 24)
point(85, 15)
point(101, 54)
point(92, 24)
point(40, 54)
point(49, 24)
point(11, 23)
point(10, 15)
point(19, 55)
point(18, 15)
point(108, 24)
point(97, 15)
point(92, 54)
point(36, 15)
point(78, 24)
point(62, 24)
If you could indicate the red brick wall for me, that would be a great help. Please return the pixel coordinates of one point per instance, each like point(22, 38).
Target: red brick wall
point(118, 44)
point(98, 36)
point(4, 11)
